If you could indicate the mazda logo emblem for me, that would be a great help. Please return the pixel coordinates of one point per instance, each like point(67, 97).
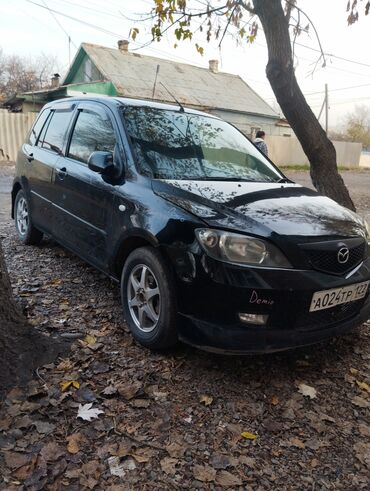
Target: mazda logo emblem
point(343, 255)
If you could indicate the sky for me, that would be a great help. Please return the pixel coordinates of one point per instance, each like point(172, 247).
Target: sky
point(28, 29)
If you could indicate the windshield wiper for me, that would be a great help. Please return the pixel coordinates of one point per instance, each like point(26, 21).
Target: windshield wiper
point(217, 178)
point(284, 179)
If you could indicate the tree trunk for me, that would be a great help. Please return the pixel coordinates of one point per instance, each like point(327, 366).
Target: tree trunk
point(22, 348)
point(280, 73)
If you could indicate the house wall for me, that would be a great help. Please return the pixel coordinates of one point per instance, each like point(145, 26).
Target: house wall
point(288, 151)
point(87, 72)
point(250, 123)
point(13, 130)
point(32, 107)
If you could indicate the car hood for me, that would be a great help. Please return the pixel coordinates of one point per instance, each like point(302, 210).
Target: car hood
point(263, 209)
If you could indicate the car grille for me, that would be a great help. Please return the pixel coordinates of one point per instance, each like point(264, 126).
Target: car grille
point(324, 256)
point(310, 321)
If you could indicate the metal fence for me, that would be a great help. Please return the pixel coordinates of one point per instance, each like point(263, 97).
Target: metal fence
point(13, 130)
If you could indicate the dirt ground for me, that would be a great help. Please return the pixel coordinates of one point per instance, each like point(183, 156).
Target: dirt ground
point(182, 420)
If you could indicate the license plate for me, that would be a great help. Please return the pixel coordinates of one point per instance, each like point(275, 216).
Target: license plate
point(330, 298)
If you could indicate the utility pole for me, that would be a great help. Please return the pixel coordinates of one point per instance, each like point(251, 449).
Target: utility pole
point(326, 108)
point(325, 103)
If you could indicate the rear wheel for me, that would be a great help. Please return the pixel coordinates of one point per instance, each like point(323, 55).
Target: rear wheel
point(148, 299)
point(26, 232)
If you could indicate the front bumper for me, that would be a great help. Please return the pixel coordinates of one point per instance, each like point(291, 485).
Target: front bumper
point(240, 339)
point(210, 308)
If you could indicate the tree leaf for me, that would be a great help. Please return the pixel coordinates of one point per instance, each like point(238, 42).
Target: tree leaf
point(363, 386)
point(73, 443)
point(168, 465)
point(204, 473)
point(206, 400)
point(115, 467)
point(307, 391)
point(68, 383)
point(225, 478)
point(89, 339)
point(87, 413)
point(248, 436)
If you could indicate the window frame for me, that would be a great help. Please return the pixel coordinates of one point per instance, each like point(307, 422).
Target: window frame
point(58, 108)
point(41, 129)
point(95, 108)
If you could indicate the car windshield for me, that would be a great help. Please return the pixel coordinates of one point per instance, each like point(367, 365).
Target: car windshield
point(170, 144)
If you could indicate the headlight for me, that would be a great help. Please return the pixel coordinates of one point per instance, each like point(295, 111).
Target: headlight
point(240, 249)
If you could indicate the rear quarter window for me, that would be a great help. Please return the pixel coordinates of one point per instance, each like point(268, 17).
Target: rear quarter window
point(37, 126)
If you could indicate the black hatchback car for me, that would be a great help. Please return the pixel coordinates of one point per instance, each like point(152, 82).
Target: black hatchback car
point(210, 242)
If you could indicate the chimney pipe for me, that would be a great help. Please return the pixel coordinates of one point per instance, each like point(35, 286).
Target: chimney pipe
point(55, 80)
point(123, 45)
point(213, 66)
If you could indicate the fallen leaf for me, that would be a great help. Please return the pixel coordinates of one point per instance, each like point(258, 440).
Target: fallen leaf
point(362, 452)
point(274, 401)
point(51, 452)
point(44, 427)
point(206, 400)
point(115, 467)
point(110, 390)
point(363, 386)
point(129, 390)
point(204, 473)
point(168, 465)
point(88, 339)
point(221, 461)
point(360, 402)
point(15, 459)
point(143, 454)
point(364, 430)
point(225, 478)
point(129, 464)
point(87, 413)
point(176, 449)
point(307, 391)
point(314, 463)
point(296, 442)
point(74, 440)
point(248, 436)
point(69, 383)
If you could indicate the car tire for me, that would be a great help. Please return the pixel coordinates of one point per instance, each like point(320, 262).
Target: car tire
point(27, 233)
point(149, 299)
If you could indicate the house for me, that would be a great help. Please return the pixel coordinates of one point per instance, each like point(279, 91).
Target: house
point(119, 72)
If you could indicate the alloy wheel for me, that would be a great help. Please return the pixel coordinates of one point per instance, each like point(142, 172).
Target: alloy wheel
point(143, 296)
point(22, 216)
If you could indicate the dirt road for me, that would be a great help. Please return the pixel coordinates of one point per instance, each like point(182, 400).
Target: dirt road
point(180, 420)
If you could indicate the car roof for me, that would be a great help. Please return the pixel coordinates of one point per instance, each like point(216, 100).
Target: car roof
point(126, 101)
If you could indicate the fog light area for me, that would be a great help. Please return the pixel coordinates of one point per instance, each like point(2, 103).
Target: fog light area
point(259, 319)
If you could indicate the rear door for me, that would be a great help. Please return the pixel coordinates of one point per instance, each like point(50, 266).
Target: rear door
point(83, 198)
point(41, 154)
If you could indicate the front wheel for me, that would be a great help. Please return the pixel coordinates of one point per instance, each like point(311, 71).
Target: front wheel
point(149, 299)
point(26, 232)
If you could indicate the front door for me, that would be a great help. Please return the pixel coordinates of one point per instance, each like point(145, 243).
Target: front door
point(83, 198)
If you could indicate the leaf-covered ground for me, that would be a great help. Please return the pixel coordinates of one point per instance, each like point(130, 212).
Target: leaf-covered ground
point(182, 420)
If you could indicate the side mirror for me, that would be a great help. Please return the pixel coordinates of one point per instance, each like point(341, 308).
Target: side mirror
point(101, 162)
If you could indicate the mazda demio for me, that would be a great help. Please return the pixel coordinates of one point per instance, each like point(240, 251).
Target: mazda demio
point(210, 242)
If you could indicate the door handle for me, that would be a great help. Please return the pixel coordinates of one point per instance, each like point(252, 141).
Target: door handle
point(61, 172)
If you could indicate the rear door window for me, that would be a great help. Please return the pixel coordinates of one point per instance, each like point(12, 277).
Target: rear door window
point(38, 126)
point(53, 137)
point(93, 132)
